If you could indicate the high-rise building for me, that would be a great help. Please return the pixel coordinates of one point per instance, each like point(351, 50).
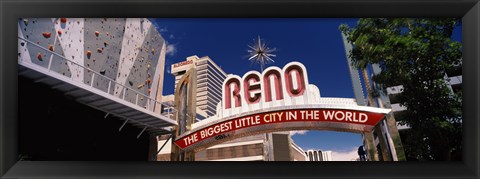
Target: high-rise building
point(382, 135)
point(209, 81)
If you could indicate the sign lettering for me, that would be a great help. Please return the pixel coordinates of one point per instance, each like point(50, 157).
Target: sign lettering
point(179, 64)
point(218, 130)
point(281, 100)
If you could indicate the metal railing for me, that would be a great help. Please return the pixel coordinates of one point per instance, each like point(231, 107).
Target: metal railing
point(150, 103)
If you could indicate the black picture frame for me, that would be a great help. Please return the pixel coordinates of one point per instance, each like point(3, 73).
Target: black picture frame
point(468, 10)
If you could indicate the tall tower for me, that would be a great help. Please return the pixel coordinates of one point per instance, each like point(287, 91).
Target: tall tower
point(209, 82)
point(383, 143)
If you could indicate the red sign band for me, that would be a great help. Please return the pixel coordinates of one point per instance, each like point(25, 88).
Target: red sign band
point(340, 116)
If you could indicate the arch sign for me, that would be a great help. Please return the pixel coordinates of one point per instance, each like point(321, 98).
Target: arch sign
point(276, 100)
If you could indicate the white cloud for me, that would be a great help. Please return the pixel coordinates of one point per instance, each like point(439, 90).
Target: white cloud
point(345, 155)
point(171, 49)
point(302, 132)
point(162, 29)
point(159, 28)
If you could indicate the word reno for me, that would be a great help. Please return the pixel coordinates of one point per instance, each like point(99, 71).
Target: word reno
point(352, 117)
point(273, 84)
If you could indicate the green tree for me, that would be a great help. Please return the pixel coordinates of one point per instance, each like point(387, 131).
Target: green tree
point(416, 53)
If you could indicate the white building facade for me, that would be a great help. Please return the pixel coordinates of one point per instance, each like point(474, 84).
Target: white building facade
point(318, 155)
point(209, 81)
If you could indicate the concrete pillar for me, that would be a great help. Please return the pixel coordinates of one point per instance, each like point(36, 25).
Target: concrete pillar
point(382, 141)
point(152, 148)
point(370, 146)
point(185, 103)
point(395, 136)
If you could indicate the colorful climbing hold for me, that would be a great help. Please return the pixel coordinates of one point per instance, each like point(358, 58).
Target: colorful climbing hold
point(59, 32)
point(99, 50)
point(148, 81)
point(89, 53)
point(140, 86)
point(39, 56)
point(50, 47)
point(25, 21)
point(97, 33)
point(105, 43)
point(46, 34)
point(149, 91)
point(63, 20)
point(148, 66)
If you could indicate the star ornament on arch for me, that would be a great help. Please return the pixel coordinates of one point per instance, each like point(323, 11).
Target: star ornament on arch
point(260, 53)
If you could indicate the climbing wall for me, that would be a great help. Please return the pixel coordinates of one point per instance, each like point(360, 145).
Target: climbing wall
point(129, 51)
point(69, 31)
point(157, 84)
point(23, 52)
point(42, 32)
point(135, 32)
point(60, 65)
point(141, 75)
point(103, 42)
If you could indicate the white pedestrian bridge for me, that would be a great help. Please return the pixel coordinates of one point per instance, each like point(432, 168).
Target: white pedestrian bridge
point(143, 112)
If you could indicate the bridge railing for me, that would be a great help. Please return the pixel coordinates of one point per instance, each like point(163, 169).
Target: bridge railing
point(150, 102)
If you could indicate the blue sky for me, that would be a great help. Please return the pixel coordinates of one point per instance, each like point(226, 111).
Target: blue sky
point(317, 43)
